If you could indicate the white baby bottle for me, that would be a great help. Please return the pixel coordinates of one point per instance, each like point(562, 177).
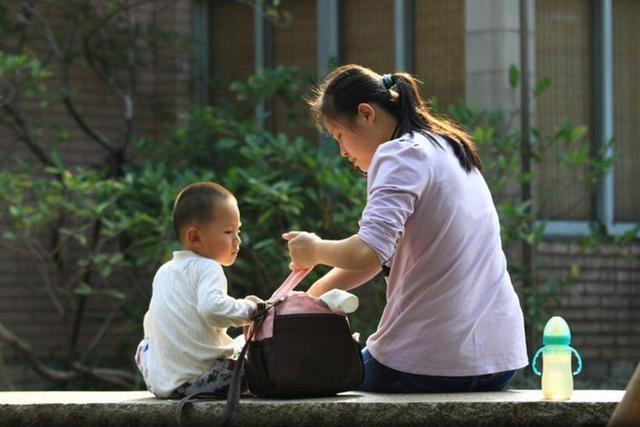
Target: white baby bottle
point(557, 375)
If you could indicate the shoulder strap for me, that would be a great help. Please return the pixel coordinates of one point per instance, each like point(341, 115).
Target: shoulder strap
point(189, 399)
point(233, 397)
point(290, 283)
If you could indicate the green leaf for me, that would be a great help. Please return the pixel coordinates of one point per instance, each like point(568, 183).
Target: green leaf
point(574, 271)
point(105, 270)
point(80, 238)
point(82, 289)
point(514, 76)
point(577, 133)
point(542, 86)
point(115, 294)
point(14, 211)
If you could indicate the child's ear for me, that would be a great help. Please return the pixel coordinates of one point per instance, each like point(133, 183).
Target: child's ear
point(192, 235)
point(366, 112)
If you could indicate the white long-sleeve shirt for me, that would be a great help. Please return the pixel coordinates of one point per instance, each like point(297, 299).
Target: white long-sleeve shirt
point(187, 321)
point(451, 308)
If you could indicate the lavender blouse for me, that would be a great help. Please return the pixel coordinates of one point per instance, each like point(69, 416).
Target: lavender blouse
point(451, 308)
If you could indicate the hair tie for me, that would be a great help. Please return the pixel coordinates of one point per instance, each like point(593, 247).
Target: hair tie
point(387, 81)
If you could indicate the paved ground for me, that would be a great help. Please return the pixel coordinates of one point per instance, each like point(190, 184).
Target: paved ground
point(143, 397)
point(513, 407)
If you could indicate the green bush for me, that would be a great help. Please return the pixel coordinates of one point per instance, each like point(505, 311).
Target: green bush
point(281, 184)
point(112, 231)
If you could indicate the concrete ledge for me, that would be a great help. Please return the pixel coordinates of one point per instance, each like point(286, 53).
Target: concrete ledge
point(513, 407)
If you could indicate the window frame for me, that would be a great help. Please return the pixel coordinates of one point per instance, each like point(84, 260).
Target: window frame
point(603, 131)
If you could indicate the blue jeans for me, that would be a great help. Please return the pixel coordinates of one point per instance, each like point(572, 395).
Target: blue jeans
point(380, 378)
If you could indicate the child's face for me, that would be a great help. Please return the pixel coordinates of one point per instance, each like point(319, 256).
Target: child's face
point(219, 239)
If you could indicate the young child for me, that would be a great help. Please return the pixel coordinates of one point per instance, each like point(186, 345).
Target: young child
point(186, 348)
point(452, 320)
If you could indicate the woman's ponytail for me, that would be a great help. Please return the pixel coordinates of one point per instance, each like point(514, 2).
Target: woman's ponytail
point(349, 85)
point(413, 114)
point(409, 104)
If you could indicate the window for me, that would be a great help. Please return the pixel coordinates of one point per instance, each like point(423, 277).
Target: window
point(626, 109)
point(439, 49)
point(564, 52)
point(367, 34)
point(294, 44)
point(232, 44)
point(589, 50)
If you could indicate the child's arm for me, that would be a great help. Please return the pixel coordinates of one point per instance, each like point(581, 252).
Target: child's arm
point(221, 311)
point(215, 306)
point(346, 280)
point(307, 250)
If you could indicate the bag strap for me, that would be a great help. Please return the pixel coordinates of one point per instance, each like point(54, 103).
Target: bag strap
point(189, 399)
point(290, 283)
point(233, 394)
point(233, 397)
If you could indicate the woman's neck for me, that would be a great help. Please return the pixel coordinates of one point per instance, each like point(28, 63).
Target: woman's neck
point(387, 126)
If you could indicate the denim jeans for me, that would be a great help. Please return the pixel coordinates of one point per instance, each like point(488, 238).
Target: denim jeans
point(380, 378)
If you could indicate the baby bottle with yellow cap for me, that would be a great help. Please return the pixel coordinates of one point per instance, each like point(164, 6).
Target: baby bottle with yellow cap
point(557, 375)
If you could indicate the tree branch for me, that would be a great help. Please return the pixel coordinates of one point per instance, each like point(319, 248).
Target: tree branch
point(110, 376)
point(25, 135)
point(101, 333)
point(132, 80)
point(64, 58)
point(82, 123)
point(24, 349)
point(45, 28)
point(22, 25)
point(115, 12)
point(46, 273)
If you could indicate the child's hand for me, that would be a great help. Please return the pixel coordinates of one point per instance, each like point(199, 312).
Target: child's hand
point(255, 299)
point(260, 305)
point(301, 249)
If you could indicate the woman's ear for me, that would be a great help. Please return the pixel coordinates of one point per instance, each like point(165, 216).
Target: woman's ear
point(366, 112)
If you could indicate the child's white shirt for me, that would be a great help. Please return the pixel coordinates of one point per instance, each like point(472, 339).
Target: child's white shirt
point(187, 321)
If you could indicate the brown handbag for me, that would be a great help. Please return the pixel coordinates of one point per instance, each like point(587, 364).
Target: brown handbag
point(297, 347)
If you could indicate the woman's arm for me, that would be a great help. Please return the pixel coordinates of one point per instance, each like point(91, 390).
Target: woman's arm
point(307, 250)
point(346, 280)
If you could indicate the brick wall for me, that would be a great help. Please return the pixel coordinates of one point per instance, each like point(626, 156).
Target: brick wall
point(25, 308)
point(602, 307)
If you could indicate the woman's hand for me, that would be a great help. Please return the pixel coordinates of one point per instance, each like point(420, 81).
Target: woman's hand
point(307, 250)
point(302, 249)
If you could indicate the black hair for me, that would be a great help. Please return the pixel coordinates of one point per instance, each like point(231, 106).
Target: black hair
point(338, 96)
point(196, 202)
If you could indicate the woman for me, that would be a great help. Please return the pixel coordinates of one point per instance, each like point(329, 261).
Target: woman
point(452, 320)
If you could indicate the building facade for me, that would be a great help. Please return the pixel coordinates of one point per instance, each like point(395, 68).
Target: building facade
point(464, 50)
point(460, 50)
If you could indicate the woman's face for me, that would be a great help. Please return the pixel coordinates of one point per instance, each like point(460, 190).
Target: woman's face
point(354, 143)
